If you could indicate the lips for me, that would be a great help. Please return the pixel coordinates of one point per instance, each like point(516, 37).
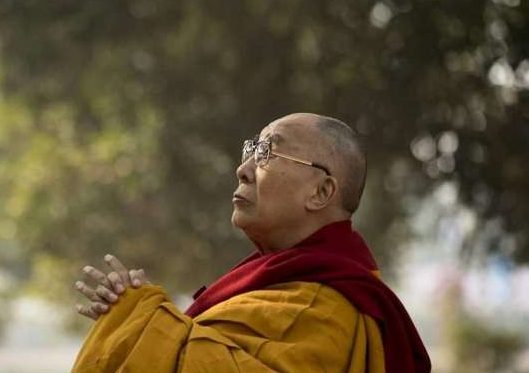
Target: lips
point(237, 197)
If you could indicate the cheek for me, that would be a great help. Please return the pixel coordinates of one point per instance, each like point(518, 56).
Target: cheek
point(278, 191)
point(270, 184)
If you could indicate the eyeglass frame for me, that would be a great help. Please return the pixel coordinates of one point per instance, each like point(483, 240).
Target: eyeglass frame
point(255, 144)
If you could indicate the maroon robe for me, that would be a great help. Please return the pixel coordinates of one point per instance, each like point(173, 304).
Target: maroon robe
point(338, 257)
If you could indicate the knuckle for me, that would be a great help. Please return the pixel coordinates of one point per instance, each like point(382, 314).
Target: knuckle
point(105, 293)
point(91, 315)
point(91, 295)
point(100, 307)
point(101, 289)
point(113, 276)
point(85, 311)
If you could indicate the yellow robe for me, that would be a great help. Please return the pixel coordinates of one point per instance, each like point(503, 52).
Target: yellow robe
point(290, 327)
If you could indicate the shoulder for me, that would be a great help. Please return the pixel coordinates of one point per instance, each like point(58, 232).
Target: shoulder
point(298, 326)
point(274, 310)
point(295, 326)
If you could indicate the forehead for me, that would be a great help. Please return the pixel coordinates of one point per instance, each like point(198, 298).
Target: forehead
point(290, 133)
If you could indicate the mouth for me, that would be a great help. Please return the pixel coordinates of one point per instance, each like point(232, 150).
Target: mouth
point(237, 198)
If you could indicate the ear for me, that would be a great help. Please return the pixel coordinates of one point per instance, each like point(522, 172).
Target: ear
point(323, 194)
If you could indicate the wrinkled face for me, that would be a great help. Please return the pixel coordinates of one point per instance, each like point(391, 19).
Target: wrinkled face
point(274, 196)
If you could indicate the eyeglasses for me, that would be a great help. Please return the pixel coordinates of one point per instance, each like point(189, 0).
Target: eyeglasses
point(261, 151)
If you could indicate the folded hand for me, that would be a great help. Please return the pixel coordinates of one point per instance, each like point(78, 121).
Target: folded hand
point(108, 287)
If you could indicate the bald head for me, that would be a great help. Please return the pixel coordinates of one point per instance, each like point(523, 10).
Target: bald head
point(279, 200)
point(346, 151)
point(337, 146)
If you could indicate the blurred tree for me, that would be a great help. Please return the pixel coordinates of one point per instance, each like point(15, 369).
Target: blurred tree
point(475, 343)
point(481, 348)
point(122, 120)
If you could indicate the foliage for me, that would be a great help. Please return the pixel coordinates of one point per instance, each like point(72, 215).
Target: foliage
point(122, 120)
point(481, 348)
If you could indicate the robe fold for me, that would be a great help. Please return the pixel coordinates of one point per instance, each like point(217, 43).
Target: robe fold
point(290, 327)
point(316, 307)
point(336, 256)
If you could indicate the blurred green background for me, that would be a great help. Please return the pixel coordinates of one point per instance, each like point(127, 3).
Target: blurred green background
point(121, 124)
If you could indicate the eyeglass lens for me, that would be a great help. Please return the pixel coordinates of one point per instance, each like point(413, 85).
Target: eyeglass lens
point(247, 150)
point(260, 150)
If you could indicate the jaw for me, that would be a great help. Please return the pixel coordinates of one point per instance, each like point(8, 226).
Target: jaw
point(241, 217)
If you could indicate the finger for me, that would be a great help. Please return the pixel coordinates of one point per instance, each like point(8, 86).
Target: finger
point(118, 267)
point(117, 283)
point(99, 308)
point(134, 280)
point(137, 277)
point(86, 311)
point(143, 276)
point(97, 276)
point(104, 293)
point(87, 291)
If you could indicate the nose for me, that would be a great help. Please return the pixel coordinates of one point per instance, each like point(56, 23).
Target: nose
point(246, 171)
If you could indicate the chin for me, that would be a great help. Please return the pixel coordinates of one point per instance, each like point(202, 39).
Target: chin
point(241, 220)
point(237, 220)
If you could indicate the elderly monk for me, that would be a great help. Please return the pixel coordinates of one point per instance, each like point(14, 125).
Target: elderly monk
point(309, 299)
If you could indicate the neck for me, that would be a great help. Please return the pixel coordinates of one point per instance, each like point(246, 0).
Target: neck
point(281, 238)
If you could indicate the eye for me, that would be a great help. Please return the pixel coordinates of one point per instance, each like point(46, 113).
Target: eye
point(262, 148)
point(249, 146)
point(247, 150)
